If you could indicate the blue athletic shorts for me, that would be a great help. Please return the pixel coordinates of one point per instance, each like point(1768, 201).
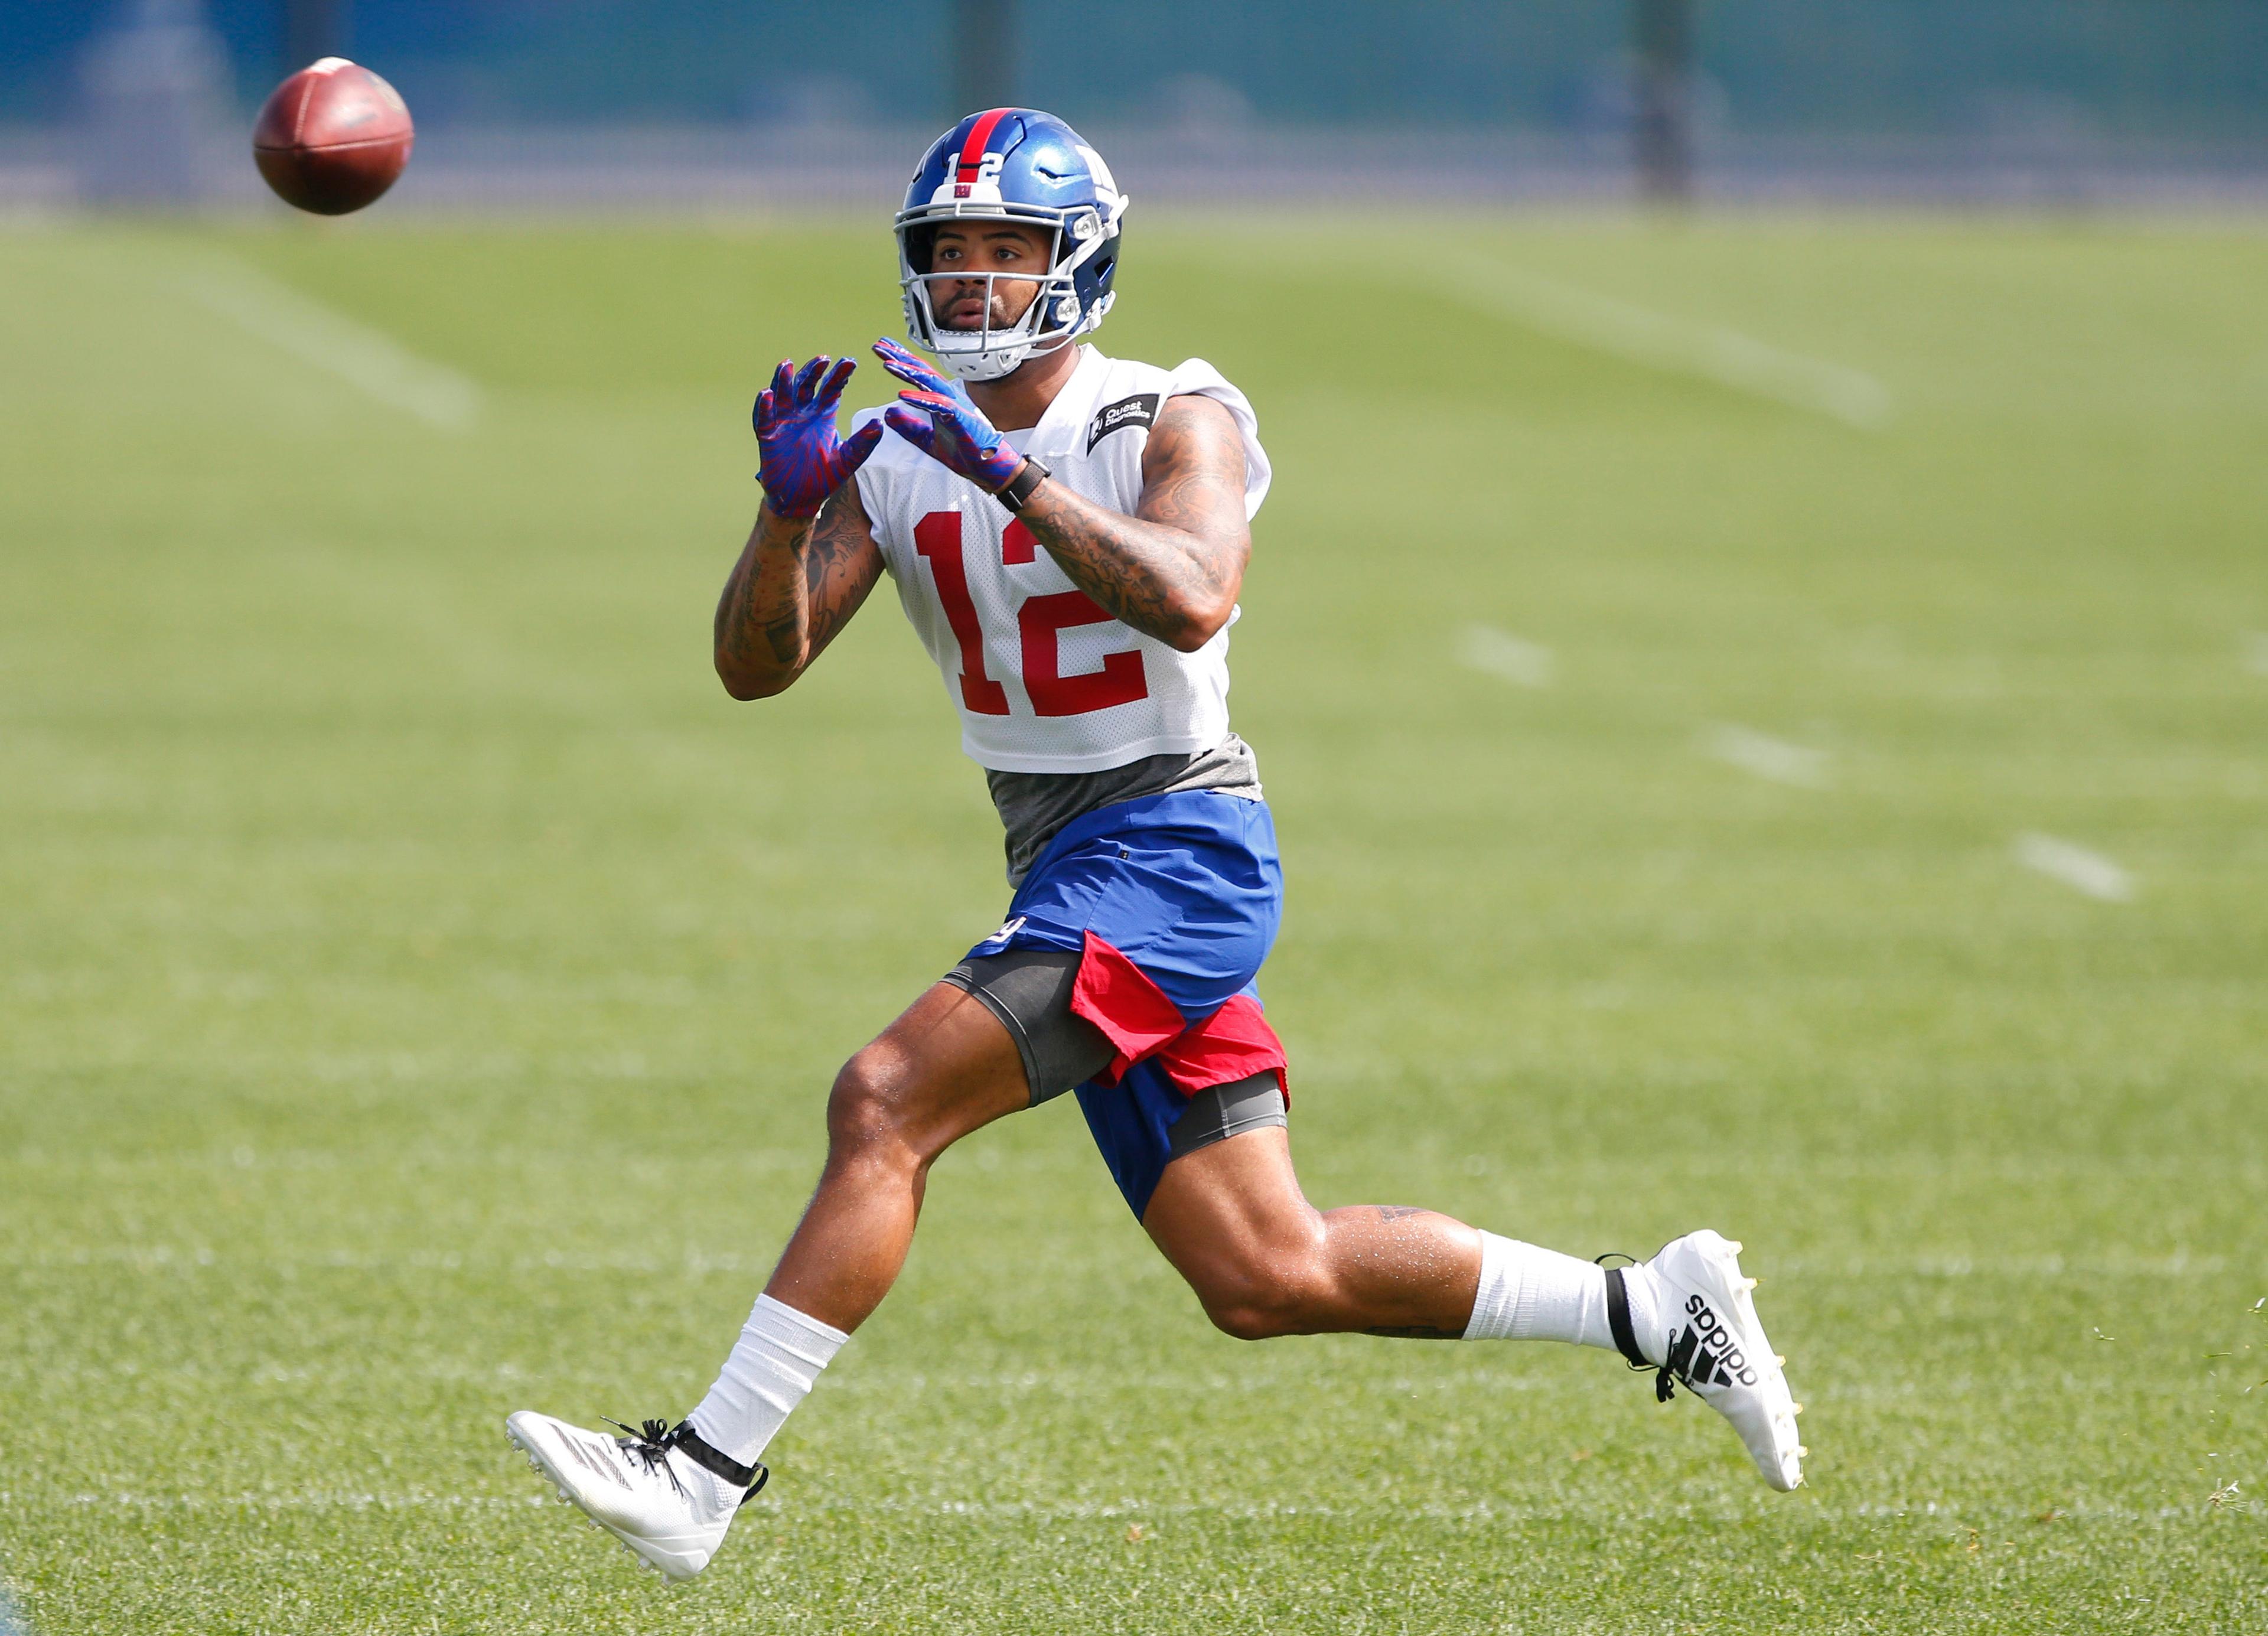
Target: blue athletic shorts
point(1171, 902)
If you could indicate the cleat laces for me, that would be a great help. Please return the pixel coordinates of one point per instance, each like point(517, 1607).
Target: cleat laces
point(652, 1441)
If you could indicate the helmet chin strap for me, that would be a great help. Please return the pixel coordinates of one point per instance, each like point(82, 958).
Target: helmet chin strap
point(997, 363)
point(992, 364)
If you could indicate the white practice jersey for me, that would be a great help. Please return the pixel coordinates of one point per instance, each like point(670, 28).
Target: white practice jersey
point(1045, 681)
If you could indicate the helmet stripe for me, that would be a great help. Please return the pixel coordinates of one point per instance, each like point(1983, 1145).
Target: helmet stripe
point(972, 151)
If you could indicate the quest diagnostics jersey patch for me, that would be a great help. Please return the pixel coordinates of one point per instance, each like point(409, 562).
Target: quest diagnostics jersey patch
point(1141, 410)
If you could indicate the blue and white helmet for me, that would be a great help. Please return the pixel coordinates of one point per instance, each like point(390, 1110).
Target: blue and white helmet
point(1012, 165)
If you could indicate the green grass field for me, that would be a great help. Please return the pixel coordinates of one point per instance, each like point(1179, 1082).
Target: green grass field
point(418, 983)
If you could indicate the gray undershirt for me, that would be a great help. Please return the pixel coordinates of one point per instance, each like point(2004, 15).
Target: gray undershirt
point(1034, 805)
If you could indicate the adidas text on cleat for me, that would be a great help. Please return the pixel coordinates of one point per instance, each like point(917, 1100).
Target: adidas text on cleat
point(1715, 1348)
point(661, 1491)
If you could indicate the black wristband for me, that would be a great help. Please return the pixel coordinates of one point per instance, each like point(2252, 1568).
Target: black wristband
point(1021, 486)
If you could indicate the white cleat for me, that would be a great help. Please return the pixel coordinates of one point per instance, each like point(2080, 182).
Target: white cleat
point(666, 1494)
point(1717, 1350)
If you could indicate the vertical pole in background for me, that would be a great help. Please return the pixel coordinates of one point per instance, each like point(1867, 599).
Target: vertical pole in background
point(1663, 105)
point(983, 55)
point(314, 28)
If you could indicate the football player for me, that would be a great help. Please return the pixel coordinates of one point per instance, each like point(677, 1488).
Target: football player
point(1068, 533)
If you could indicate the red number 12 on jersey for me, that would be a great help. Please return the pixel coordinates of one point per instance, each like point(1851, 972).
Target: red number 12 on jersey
point(1039, 621)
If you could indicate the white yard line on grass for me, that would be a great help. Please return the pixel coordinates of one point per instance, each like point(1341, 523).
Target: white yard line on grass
point(2075, 866)
point(1680, 346)
point(1507, 657)
point(371, 362)
point(1766, 756)
point(12, 1623)
point(2256, 651)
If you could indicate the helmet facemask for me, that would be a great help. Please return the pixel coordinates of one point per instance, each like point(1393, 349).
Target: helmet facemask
point(1081, 240)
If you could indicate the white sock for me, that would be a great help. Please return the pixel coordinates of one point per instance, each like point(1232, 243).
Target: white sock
point(1531, 1294)
point(773, 1367)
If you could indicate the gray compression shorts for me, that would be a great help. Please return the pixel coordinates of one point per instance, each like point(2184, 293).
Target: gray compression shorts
point(1029, 990)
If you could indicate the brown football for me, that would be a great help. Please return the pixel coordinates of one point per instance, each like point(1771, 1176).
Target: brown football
point(333, 138)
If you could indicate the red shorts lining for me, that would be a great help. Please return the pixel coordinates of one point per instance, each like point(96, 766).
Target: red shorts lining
point(1235, 1042)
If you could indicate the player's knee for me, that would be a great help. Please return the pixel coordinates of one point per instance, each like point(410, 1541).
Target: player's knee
point(866, 1109)
point(1248, 1320)
point(1262, 1298)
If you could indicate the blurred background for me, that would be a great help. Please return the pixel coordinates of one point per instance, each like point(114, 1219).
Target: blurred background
point(1757, 646)
point(563, 102)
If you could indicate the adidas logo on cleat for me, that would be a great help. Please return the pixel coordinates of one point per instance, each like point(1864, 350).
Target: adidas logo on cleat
point(1694, 1364)
point(1704, 1354)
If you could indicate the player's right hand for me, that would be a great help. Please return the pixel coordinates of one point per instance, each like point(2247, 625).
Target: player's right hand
point(936, 415)
point(803, 461)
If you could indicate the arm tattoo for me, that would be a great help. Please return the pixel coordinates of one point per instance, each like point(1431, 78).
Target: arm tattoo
point(796, 585)
point(1417, 1332)
point(1173, 570)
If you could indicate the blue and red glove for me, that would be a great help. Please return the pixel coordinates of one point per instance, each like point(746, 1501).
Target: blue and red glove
point(803, 461)
point(936, 417)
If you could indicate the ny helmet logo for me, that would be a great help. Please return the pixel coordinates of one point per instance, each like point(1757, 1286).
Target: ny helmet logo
point(987, 174)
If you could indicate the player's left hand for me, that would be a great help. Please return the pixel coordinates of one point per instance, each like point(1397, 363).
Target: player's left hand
point(936, 417)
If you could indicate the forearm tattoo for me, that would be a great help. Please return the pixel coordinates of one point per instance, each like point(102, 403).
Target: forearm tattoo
point(796, 585)
point(1172, 571)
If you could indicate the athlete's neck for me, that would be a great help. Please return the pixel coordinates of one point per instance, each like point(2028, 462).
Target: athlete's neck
point(1018, 398)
